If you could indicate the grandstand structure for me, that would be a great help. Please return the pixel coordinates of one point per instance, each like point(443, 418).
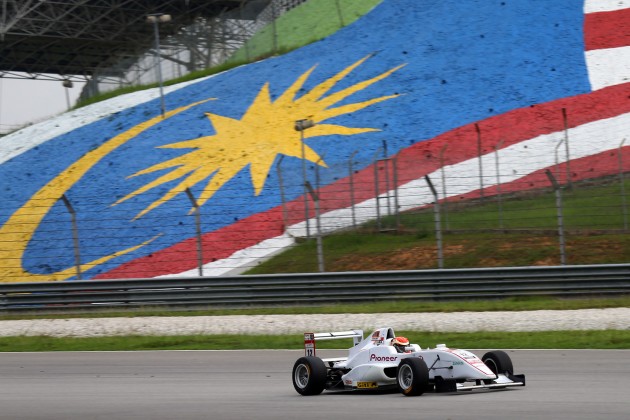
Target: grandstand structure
point(108, 43)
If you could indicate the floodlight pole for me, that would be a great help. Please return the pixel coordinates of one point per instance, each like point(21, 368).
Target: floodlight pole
point(155, 19)
point(67, 84)
point(301, 125)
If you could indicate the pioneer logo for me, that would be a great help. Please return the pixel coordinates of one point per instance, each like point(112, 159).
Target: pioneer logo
point(375, 358)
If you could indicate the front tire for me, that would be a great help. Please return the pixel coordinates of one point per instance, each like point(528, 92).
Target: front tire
point(412, 376)
point(499, 362)
point(309, 375)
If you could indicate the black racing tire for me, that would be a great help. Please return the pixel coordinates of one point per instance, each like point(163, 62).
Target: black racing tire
point(412, 376)
point(309, 375)
point(499, 362)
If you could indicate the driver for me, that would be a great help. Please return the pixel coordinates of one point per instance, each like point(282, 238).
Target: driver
point(400, 343)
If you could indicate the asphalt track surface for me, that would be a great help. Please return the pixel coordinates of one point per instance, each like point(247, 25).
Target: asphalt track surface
point(572, 384)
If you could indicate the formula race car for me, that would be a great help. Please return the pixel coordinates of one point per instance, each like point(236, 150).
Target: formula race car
point(384, 361)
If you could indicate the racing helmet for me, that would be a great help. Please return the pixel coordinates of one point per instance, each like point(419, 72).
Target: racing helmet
point(400, 343)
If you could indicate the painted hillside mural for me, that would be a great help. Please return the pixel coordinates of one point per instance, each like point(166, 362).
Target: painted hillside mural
point(409, 80)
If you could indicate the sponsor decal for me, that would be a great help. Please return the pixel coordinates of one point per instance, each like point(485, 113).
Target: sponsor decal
point(463, 354)
point(309, 344)
point(377, 339)
point(309, 349)
point(375, 358)
point(367, 385)
point(470, 359)
point(348, 382)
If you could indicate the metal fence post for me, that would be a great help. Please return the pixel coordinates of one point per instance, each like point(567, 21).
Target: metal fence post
point(320, 246)
point(301, 125)
point(377, 189)
point(386, 166)
point(558, 191)
point(317, 187)
point(481, 193)
point(75, 234)
point(198, 228)
point(496, 163)
point(442, 150)
point(566, 146)
point(285, 213)
point(396, 201)
point(438, 227)
point(351, 173)
point(557, 164)
point(623, 187)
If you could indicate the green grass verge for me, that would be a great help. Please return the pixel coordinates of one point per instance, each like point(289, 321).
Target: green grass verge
point(591, 204)
point(476, 236)
point(607, 339)
point(306, 23)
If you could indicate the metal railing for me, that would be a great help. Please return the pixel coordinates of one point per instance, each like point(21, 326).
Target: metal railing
point(308, 289)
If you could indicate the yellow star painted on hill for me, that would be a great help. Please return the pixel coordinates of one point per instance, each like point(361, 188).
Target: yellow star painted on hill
point(265, 131)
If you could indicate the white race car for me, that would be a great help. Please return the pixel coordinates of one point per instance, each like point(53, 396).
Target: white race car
point(380, 362)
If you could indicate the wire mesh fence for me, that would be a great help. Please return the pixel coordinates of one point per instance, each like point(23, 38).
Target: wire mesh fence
point(379, 213)
point(253, 30)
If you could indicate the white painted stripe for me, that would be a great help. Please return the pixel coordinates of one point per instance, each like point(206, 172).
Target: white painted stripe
point(242, 259)
point(27, 138)
point(516, 161)
point(593, 6)
point(608, 67)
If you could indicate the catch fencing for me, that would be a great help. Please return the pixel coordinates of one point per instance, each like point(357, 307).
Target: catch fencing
point(310, 289)
point(211, 42)
point(581, 223)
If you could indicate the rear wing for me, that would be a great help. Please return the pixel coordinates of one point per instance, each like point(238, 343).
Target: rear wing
point(310, 338)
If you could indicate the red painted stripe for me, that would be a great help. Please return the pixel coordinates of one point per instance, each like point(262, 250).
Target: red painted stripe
point(512, 127)
point(414, 162)
point(217, 245)
point(607, 29)
point(589, 167)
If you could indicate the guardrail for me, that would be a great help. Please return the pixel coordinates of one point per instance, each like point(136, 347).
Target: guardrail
point(304, 289)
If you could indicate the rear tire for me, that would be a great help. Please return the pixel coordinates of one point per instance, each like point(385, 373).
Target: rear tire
point(412, 376)
point(309, 375)
point(499, 362)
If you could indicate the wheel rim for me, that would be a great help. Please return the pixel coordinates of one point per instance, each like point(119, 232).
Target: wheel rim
point(302, 375)
point(492, 365)
point(405, 376)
